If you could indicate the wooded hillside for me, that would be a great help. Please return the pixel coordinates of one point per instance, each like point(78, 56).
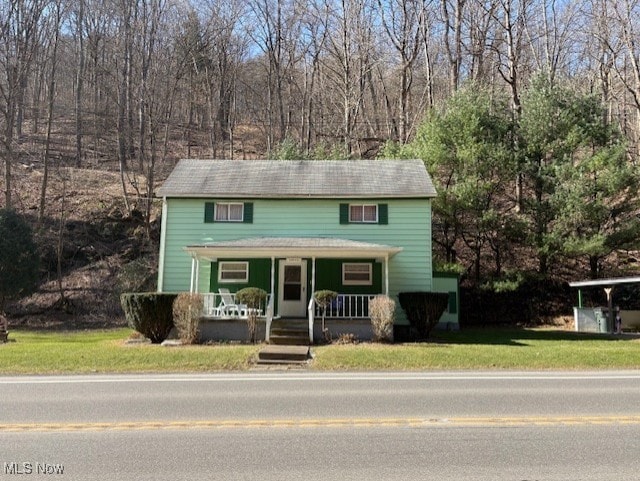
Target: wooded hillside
point(115, 91)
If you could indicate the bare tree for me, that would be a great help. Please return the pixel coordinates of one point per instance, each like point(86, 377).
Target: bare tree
point(349, 59)
point(402, 21)
point(20, 24)
point(80, 71)
point(452, 15)
point(54, 34)
point(626, 13)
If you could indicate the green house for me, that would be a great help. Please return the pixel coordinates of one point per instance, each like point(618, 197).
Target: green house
point(360, 228)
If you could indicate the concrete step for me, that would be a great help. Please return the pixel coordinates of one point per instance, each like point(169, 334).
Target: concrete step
point(285, 340)
point(290, 332)
point(273, 354)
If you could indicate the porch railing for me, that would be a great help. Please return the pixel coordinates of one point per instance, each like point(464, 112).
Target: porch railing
point(214, 308)
point(347, 306)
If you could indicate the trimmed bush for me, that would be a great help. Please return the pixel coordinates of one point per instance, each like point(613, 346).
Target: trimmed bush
point(423, 309)
point(149, 313)
point(382, 313)
point(254, 298)
point(187, 310)
point(324, 298)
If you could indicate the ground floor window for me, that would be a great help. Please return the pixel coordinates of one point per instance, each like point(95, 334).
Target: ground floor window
point(233, 272)
point(357, 274)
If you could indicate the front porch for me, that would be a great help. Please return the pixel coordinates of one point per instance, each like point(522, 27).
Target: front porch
point(348, 314)
point(290, 270)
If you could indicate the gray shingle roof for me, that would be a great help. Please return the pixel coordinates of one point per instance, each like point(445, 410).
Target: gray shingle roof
point(298, 178)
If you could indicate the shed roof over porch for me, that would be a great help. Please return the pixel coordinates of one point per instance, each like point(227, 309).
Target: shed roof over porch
point(277, 247)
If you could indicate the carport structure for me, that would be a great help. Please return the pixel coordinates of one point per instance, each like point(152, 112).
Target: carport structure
point(608, 285)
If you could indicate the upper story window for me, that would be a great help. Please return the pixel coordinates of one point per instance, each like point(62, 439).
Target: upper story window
point(362, 213)
point(228, 212)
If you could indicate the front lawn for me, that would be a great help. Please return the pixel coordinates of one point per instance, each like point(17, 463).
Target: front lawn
point(514, 349)
point(37, 352)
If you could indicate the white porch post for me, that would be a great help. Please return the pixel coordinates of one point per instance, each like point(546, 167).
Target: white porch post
point(313, 275)
point(193, 269)
point(197, 281)
point(267, 334)
point(273, 277)
point(386, 275)
point(311, 299)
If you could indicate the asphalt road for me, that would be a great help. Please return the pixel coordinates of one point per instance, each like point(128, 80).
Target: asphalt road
point(298, 425)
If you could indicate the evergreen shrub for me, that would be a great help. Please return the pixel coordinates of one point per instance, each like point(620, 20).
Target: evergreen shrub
point(423, 310)
point(149, 313)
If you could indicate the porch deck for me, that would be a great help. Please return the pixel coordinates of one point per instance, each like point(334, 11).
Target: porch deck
point(349, 313)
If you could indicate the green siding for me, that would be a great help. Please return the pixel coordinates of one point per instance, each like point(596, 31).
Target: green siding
point(449, 283)
point(409, 227)
point(329, 276)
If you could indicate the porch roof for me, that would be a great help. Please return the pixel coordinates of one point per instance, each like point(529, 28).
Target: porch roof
point(280, 247)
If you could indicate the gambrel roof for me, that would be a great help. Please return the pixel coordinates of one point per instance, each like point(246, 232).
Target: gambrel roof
point(299, 178)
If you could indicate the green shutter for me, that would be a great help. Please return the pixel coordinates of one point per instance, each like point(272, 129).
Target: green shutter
point(383, 214)
point(248, 213)
point(344, 213)
point(453, 302)
point(209, 211)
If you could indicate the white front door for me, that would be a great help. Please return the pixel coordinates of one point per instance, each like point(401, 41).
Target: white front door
point(292, 288)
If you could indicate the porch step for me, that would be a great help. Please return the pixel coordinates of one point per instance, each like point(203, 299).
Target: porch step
point(283, 355)
point(289, 333)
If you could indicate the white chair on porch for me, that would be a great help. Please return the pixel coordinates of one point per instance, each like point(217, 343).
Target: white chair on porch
point(228, 306)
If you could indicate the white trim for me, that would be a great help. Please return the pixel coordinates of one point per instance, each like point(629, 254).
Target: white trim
point(193, 269)
point(296, 307)
point(278, 248)
point(606, 282)
point(197, 289)
point(346, 282)
point(163, 243)
point(233, 281)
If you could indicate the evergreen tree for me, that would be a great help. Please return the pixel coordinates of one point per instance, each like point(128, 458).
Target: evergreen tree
point(466, 148)
point(18, 257)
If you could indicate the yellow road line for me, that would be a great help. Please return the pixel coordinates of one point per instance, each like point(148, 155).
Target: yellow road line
point(508, 421)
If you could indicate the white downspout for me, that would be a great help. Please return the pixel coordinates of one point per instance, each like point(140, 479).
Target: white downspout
point(163, 244)
point(193, 269)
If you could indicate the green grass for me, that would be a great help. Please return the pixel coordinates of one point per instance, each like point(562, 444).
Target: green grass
point(106, 352)
point(527, 349)
point(40, 352)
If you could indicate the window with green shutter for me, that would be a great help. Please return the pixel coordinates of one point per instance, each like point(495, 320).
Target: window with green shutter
point(364, 214)
point(228, 212)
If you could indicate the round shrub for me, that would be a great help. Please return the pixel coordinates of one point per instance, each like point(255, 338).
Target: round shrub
point(149, 313)
point(423, 309)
